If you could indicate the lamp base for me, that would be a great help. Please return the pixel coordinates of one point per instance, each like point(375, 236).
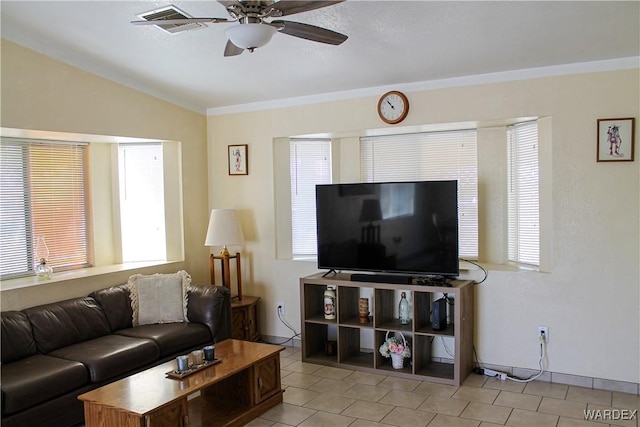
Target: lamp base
point(226, 271)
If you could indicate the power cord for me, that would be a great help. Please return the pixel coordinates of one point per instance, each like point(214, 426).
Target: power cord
point(285, 323)
point(475, 358)
point(444, 344)
point(448, 299)
point(501, 375)
point(486, 274)
point(542, 340)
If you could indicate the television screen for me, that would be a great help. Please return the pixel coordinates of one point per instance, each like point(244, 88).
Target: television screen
point(395, 227)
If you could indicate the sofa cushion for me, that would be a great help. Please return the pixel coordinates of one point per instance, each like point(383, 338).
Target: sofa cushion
point(116, 305)
point(17, 338)
point(110, 355)
point(64, 323)
point(38, 378)
point(159, 298)
point(211, 306)
point(172, 338)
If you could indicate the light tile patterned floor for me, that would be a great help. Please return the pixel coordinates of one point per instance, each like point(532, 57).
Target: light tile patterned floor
point(318, 396)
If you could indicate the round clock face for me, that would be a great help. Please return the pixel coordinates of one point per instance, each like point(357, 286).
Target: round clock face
point(393, 107)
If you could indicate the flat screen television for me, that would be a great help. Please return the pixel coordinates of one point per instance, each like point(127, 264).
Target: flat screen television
point(391, 227)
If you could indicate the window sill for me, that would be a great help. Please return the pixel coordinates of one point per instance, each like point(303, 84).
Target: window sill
point(507, 267)
point(309, 258)
point(25, 282)
point(465, 266)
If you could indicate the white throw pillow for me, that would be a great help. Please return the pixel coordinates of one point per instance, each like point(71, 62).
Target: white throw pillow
point(159, 298)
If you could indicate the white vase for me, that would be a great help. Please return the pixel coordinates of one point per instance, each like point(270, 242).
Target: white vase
point(397, 361)
point(330, 303)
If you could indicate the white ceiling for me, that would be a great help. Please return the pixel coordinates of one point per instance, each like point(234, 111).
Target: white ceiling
point(390, 43)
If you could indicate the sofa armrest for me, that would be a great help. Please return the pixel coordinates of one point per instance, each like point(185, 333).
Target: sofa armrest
point(211, 306)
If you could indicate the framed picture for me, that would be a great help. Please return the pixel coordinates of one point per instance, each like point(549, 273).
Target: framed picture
point(238, 159)
point(615, 140)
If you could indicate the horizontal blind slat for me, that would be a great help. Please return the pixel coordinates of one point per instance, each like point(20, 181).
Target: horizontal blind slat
point(44, 193)
point(430, 156)
point(523, 224)
point(310, 164)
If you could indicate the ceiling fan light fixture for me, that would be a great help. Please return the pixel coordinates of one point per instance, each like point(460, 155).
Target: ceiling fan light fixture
point(250, 36)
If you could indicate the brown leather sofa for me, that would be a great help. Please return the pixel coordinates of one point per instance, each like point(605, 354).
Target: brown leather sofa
point(54, 352)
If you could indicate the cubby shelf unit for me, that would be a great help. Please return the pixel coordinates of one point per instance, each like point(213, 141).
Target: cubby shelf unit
point(347, 330)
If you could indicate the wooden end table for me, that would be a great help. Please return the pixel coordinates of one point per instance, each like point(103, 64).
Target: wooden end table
point(244, 385)
point(244, 317)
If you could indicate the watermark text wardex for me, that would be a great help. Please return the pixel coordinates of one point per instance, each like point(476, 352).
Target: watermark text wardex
point(610, 414)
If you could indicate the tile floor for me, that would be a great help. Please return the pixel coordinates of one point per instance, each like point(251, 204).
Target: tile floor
point(317, 395)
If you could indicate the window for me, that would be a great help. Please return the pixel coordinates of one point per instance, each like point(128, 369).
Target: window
point(523, 228)
point(310, 164)
point(430, 156)
point(44, 195)
point(74, 193)
point(142, 223)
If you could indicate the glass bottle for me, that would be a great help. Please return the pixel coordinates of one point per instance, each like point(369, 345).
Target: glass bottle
point(43, 271)
point(403, 309)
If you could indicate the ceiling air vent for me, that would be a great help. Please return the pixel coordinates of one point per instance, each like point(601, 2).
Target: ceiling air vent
point(170, 12)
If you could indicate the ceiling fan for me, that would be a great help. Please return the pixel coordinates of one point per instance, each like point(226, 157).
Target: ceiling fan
point(253, 30)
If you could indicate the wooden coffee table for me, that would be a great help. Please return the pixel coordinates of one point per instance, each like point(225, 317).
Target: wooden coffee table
point(245, 384)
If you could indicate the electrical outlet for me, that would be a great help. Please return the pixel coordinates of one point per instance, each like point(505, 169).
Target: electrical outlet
point(280, 307)
point(545, 330)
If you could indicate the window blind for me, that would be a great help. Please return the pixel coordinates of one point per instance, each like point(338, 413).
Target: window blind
point(310, 163)
point(142, 212)
point(448, 155)
point(523, 226)
point(44, 194)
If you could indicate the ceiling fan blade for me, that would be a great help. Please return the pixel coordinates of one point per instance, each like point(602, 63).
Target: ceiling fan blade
point(227, 3)
point(232, 50)
point(289, 7)
point(179, 21)
point(309, 32)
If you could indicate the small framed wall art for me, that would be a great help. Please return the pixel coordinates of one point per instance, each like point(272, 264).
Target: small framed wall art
point(239, 159)
point(615, 140)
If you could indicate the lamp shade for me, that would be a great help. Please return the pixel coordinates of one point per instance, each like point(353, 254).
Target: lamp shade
point(370, 211)
point(250, 36)
point(224, 229)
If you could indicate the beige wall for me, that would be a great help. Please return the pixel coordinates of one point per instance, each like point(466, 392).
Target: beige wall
point(590, 299)
point(39, 93)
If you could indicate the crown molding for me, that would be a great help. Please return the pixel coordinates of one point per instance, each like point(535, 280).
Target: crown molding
point(499, 77)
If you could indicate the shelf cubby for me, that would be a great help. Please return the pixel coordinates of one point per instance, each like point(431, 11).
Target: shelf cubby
point(313, 303)
point(422, 315)
point(316, 349)
point(386, 305)
point(350, 348)
point(424, 363)
point(348, 307)
point(384, 363)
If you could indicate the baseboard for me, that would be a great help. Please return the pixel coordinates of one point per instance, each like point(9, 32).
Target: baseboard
point(285, 341)
point(569, 379)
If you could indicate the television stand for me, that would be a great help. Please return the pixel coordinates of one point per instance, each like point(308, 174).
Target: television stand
point(382, 278)
point(349, 343)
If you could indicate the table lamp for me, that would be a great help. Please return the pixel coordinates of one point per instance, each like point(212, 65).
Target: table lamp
point(224, 230)
point(370, 212)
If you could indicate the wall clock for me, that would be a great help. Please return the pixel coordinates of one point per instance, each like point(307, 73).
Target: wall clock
point(393, 107)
